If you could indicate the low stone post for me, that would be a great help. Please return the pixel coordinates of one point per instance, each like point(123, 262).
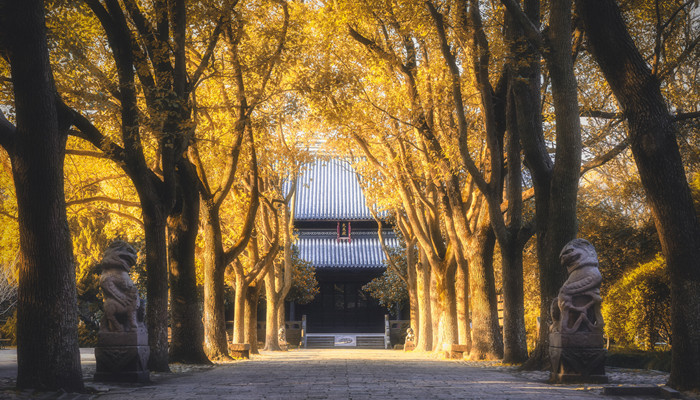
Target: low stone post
point(122, 351)
point(282, 338)
point(303, 330)
point(387, 332)
point(576, 345)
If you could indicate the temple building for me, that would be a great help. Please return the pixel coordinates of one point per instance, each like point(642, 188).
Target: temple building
point(338, 236)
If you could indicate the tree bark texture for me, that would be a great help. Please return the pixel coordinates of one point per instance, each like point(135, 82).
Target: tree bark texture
point(436, 311)
point(411, 272)
point(251, 317)
point(652, 137)
point(514, 336)
point(448, 299)
point(154, 223)
point(239, 309)
point(187, 331)
point(271, 318)
point(424, 332)
point(48, 357)
point(487, 342)
point(215, 342)
point(463, 315)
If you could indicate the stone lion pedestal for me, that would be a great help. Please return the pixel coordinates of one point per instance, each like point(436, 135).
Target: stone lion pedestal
point(577, 358)
point(122, 348)
point(122, 356)
point(576, 344)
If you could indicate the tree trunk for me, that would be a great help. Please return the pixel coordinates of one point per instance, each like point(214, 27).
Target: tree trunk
point(449, 306)
point(281, 319)
point(463, 318)
point(156, 289)
point(239, 309)
point(652, 137)
point(271, 320)
point(411, 272)
point(424, 332)
point(436, 311)
point(48, 357)
point(215, 343)
point(556, 184)
point(251, 317)
point(186, 323)
point(514, 337)
point(487, 343)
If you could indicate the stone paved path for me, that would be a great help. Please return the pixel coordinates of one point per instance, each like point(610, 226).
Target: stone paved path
point(335, 374)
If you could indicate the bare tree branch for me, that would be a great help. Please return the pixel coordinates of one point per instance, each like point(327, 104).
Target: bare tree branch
point(125, 215)
point(531, 32)
point(103, 199)
point(604, 158)
point(8, 215)
point(684, 116)
point(213, 40)
point(85, 153)
point(670, 67)
point(89, 132)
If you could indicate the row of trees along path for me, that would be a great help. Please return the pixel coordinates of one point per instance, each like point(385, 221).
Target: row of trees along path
point(205, 114)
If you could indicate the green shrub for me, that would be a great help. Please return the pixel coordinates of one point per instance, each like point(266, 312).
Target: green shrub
point(9, 329)
point(636, 309)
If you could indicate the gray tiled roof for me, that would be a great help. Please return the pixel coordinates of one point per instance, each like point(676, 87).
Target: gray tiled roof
point(329, 190)
point(322, 249)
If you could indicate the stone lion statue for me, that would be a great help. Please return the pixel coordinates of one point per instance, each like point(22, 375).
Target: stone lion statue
point(577, 307)
point(282, 335)
point(410, 336)
point(123, 309)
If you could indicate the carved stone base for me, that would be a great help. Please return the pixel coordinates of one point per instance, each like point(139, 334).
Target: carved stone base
point(577, 357)
point(122, 357)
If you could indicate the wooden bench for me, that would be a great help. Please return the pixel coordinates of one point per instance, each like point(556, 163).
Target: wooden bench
point(239, 350)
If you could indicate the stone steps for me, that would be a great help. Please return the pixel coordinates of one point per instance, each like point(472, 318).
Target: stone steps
point(370, 342)
point(328, 342)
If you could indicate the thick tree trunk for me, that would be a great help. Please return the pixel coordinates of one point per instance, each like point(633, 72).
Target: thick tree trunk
point(436, 311)
point(48, 356)
point(463, 317)
point(412, 285)
point(215, 343)
point(652, 137)
point(156, 289)
point(487, 343)
point(186, 326)
point(271, 318)
point(449, 306)
point(251, 317)
point(424, 332)
point(514, 337)
point(281, 319)
point(239, 309)
point(556, 184)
